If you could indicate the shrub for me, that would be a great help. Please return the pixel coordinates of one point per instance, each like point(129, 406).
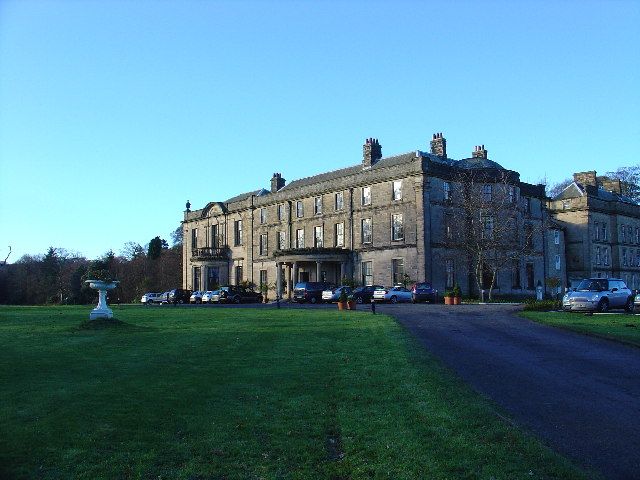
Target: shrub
point(541, 305)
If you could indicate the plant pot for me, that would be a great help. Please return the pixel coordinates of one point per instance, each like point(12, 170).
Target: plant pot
point(342, 305)
point(351, 304)
point(448, 300)
point(457, 300)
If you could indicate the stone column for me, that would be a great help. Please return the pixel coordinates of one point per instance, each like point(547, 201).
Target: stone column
point(318, 266)
point(295, 273)
point(279, 279)
point(289, 280)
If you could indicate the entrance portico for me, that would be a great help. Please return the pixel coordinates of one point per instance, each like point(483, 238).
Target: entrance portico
point(315, 265)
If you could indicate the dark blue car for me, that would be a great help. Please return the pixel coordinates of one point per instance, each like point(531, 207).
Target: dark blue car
point(423, 292)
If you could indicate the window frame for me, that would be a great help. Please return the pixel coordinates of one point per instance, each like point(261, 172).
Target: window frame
point(339, 235)
point(338, 205)
point(237, 233)
point(318, 240)
point(366, 270)
point(282, 240)
point(317, 205)
point(264, 244)
point(450, 272)
point(487, 192)
point(369, 222)
point(396, 194)
point(365, 199)
point(300, 236)
point(397, 276)
point(394, 231)
point(299, 209)
point(446, 191)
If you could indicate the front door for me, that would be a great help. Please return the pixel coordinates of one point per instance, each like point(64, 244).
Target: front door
point(304, 276)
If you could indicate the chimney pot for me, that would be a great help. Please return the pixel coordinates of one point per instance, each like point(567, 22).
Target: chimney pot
point(439, 145)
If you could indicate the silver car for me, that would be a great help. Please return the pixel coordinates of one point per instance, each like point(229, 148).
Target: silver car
point(333, 295)
point(394, 294)
point(598, 295)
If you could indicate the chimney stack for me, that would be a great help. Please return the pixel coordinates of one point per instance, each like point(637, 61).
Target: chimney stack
point(371, 152)
point(613, 185)
point(277, 182)
point(586, 178)
point(439, 145)
point(479, 152)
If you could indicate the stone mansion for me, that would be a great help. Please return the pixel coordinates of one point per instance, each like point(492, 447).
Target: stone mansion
point(381, 221)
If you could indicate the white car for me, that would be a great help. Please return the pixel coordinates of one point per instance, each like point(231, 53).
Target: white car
point(208, 296)
point(150, 298)
point(196, 297)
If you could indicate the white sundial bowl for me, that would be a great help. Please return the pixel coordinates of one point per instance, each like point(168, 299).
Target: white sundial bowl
point(101, 310)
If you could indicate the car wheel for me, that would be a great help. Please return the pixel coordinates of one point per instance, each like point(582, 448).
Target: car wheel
point(603, 306)
point(236, 300)
point(149, 302)
point(629, 306)
point(314, 300)
point(394, 299)
point(359, 300)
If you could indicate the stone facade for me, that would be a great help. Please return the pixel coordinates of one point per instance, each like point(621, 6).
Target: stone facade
point(602, 229)
point(379, 222)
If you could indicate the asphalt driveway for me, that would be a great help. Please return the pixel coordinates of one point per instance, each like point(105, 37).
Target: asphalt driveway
point(579, 394)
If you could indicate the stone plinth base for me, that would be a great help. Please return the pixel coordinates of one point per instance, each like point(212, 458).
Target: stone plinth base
point(102, 313)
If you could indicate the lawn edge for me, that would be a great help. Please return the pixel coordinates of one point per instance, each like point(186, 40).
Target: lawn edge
point(612, 338)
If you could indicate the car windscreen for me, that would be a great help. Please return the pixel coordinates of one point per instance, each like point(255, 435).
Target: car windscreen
point(593, 285)
point(423, 285)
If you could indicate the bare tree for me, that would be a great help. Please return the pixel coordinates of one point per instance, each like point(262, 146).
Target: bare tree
point(484, 222)
point(630, 177)
point(557, 188)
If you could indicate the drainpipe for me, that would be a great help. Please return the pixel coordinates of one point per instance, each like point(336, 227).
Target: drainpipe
point(351, 246)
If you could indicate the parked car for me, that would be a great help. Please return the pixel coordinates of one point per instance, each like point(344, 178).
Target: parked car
point(150, 298)
point(423, 292)
point(310, 291)
point(179, 295)
point(196, 297)
point(235, 294)
point(598, 295)
point(331, 295)
point(364, 294)
point(164, 297)
point(207, 297)
point(395, 294)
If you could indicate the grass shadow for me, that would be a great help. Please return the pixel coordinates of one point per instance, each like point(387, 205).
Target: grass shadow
point(110, 324)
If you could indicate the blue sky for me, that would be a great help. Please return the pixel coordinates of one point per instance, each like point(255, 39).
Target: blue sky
point(113, 114)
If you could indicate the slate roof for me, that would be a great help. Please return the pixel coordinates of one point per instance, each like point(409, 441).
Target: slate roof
point(575, 190)
point(477, 163)
point(335, 174)
point(382, 163)
point(244, 196)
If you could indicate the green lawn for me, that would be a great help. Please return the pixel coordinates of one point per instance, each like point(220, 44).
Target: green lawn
point(216, 393)
point(622, 327)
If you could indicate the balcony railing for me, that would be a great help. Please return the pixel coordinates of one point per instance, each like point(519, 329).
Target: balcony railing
point(210, 253)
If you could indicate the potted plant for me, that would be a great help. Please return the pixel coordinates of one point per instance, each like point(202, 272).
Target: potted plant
point(351, 303)
point(457, 295)
point(448, 297)
point(264, 290)
point(342, 300)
